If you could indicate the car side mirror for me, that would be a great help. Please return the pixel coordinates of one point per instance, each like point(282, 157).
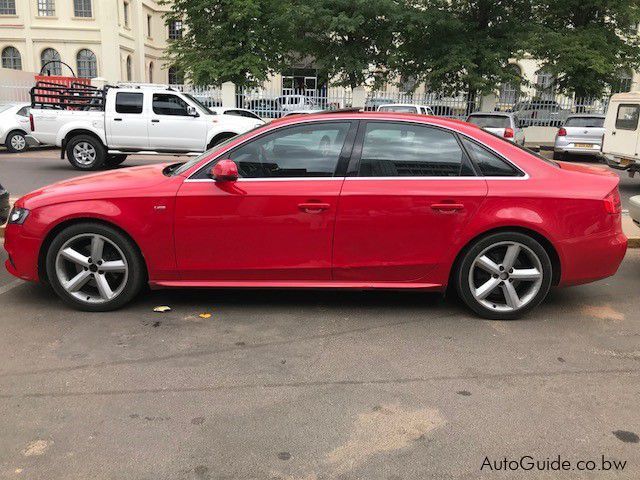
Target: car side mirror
point(225, 171)
point(191, 111)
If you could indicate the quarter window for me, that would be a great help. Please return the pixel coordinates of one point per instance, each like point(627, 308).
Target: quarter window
point(24, 111)
point(129, 102)
point(489, 164)
point(407, 150)
point(299, 151)
point(7, 7)
point(167, 104)
point(627, 118)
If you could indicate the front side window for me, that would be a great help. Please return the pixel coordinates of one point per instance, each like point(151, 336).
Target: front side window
point(87, 64)
point(627, 118)
point(50, 61)
point(129, 102)
point(407, 150)
point(489, 164)
point(46, 8)
point(175, 29)
point(11, 58)
point(167, 104)
point(82, 8)
point(301, 151)
point(7, 7)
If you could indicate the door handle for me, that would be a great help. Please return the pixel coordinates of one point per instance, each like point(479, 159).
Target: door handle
point(313, 207)
point(613, 133)
point(447, 207)
point(117, 119)
point(155, 120)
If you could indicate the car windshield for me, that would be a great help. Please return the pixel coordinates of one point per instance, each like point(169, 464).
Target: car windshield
point(585, 122)
point(398, 108)
point(490, 121)
point(204, 108)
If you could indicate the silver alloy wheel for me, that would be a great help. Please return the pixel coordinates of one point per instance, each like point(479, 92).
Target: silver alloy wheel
point(92, 268)
point(505, 276)
point(84, 153)
point(18, 142)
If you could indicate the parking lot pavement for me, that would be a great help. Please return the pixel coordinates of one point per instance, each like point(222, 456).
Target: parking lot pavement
point(310, 385)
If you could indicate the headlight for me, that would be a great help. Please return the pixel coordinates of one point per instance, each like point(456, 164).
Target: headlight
point(18, 215)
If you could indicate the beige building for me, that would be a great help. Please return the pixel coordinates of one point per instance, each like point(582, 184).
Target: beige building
point(119, 40)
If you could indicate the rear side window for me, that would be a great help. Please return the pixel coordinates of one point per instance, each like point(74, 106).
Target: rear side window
point(407, 150)
point(585, 122)
point(627, 118)
point(489, 164)
point(128, 102)
point(490, 121)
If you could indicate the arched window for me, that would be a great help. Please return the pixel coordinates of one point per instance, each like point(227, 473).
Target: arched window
point(128, 62)
point(510, 91)
point(11, 58)
point(176, 77)
point(150, 72)
point(545, 85)
point(87, 64)
point(51, 55)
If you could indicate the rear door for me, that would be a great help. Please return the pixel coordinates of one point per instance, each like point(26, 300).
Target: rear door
point(126, 121)
point(409, 193)
point(621, 127)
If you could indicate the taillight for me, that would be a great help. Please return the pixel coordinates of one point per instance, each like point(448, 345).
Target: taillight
point(612, 202)
point(508, 132)
point(31, 123)
point(562, 132)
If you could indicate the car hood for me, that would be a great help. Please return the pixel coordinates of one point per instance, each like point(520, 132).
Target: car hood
point(120, 182)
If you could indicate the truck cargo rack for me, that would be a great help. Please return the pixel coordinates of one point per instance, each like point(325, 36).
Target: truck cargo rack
point(75, 96)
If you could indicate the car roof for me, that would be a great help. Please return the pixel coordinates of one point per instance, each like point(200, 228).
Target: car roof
point(390, 116)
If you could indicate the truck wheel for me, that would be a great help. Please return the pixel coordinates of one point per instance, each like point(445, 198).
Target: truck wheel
point(114, 160)
point(85, 152)
point(16, 142)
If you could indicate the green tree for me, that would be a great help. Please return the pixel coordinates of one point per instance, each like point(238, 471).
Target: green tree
point(241, 41)
point(586, 44)
point(462, 45)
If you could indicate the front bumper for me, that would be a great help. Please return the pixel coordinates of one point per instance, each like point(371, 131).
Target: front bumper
point(23, 253)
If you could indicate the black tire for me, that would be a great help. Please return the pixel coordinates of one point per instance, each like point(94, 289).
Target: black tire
point(136, 268)
point(462, 275)
point(221, 138)
point(98, 160)
point(114, 160)
point(559, 156)
point(10, 142)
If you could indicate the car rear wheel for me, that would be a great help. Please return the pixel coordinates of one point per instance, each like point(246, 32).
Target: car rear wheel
point(93, 267)
point(16, 142)
point(504, 275)
point(114, 160)
point(85, 152)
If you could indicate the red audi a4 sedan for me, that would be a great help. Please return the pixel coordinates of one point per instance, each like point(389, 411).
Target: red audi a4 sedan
point(343, 200)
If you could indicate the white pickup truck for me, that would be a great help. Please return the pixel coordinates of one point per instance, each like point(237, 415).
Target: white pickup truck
point(100, 127)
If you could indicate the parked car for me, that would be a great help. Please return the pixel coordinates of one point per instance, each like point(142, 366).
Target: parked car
point(14, 125)
point(504, 125)
point(304, 202)
point(580, 134)
point(264, 107)
point(634, 209)
point(238, 112)
point(620, 142)
point(4, 205)
point(372, 104)
point(290, 103)
point(443, 111)
point(547, 113)
point(406, 108)
point(303, 112)
point(141, 120)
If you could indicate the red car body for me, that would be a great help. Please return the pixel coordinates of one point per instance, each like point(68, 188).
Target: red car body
point(331, 232)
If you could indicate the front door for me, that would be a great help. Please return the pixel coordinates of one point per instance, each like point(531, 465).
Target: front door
point(127, 122)
point(275, 223)
point(412, 192)
point(172, 128)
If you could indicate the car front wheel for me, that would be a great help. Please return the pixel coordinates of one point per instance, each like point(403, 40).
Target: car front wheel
point(504, 275)
point(94, 267)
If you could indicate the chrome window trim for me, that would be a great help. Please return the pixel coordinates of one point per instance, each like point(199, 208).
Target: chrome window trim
point(525, 175)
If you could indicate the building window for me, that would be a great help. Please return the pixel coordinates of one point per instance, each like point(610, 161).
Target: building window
point(87, 64)
point(510, 91)
point(151, 72)
point(545, 85)
point(125, 12)
point(46, 8)
point(7, 7)
point(50, 55)
point(82, 8)
point(128, 64)
point(11, 58)
point(175, 29)
point(623, 84)
point(176, 77)
point(148, 25)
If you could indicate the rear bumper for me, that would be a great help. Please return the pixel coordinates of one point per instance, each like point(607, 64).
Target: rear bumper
point(570, 148)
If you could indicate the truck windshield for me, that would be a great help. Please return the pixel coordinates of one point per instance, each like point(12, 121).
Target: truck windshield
point(204, 108)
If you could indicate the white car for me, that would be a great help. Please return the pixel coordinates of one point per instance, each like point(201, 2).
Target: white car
point(289, 103)
point(238, 112)
point(303, 112)
point(504, 125)
point(14, 125)
point(581, 134)
point(97, 128)
point(406, 108)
